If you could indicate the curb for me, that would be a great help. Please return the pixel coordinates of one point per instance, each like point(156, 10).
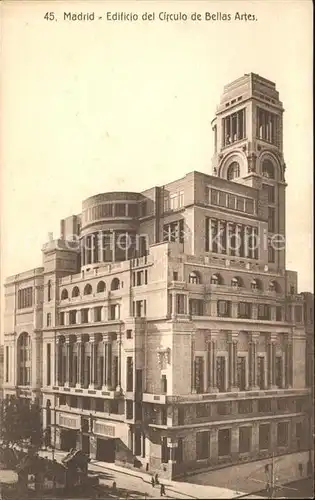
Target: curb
point(97, 463)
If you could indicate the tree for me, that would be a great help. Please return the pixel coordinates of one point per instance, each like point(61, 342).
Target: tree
point(20, 422)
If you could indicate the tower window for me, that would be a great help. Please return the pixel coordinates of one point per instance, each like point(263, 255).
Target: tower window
point(267, 126)
point(233, 171)
point(234, 127)
point(268, 169)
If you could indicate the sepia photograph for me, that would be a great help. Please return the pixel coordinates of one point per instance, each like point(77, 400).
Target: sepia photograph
point(157, 299)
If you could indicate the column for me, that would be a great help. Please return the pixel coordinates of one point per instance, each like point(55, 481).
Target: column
point(86, 367)
point(85, 241)
point(253, 243)
point(252, 361)
point(79, 343)
point(255, 438)
point(67, 374)
point(214, 451)
point(109, 366)
point(234, 441)
point(92, 362)
point(271, 361)
point(288, 363)
point(99, 366)
point(273, 436)
point(119, 345)
point(105, 341)
point(210, 234)
point(82, 252)
point(100, 246)
point(246, 242)
point(214, 366)
point(232, 349)
point(209, 366)
point(238, 244)
point(104, 314)
point(173, 304)
point(228, 238)
point(57, 362)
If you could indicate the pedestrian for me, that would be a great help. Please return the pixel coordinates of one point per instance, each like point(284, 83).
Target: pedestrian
point(152, 481)
point(114, 486)
point(156, 477)
point(162, 490)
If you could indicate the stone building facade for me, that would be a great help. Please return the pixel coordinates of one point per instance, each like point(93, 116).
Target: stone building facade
point(163, 327)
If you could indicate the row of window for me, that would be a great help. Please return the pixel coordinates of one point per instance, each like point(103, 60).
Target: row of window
point(231, 239)
point(140, 278)
point(88, 289)
point(114, 210)
point(267, 126)
point(236, 282)
point(232, 201)
point(25, 297)
point(245, 440)
point(174, 231)
point(174, 201)
point(234, 127)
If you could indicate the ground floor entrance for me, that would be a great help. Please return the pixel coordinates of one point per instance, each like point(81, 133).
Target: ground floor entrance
point(68, 439)
point(105, 450)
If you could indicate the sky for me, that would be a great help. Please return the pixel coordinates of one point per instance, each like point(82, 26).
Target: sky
point(90, 107)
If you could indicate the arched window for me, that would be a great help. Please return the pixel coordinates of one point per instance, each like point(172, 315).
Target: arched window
point(87, 289)
point(216, 279)
point(256, 284)
point(64, 294)
point(233, 171)
point(49, 290)
point(115, 284)
point(268, 169)
point(100, 287)
point(236, 282)
point(274, 286)
point(194, 278)
point(24, 358)
point(75, 292)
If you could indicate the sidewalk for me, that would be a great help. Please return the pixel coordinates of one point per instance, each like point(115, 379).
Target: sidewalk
point(174, 489)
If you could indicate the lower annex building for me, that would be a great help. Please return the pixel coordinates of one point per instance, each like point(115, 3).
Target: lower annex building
point(163, 326)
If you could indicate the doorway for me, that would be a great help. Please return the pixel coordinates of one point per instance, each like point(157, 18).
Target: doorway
point(105, 450)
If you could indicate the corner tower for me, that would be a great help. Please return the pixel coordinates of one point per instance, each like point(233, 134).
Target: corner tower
point(248, 149)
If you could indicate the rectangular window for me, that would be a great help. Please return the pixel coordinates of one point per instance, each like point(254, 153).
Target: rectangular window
point(163, 415)
point(220, 367)
point(245, 438)
point(84, 315)
point(203, 445)
point(234, 127)
point(264, 405)
point(202, 410)
point(271, 254)
point(278, 371)
point(25, 298)
point(241, 373)
point(129, 410)
point(264, 312)
point(164, 384)
point(261, 372)
point(240, 204)
point(271, 219)
point(180, 303)
point(245, 406)
point(61, 318)
point(174, 232)
point(199, 374)
point(48, 319)
point(298, 314)
point(48, 364)
point(179, 451)
point(128, 334)
point(120, 210)
point(244, 310)
point(140, 308)
point(224, 308)
point(133, 210)
point(224, 442)
point(181, 415)
point(224, 408)
point(72, 317)
point(267, 126)
point(222, 199)
point(129, 370)
point(264, 436)
point(282, 434)
point(278, 313)
point(196, 307)
point(270, 190)
point(98, 313)
point(249, 206)
point(114, 312)
point(214, 200)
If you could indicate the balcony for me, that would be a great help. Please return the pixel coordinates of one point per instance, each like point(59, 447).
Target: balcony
point(84, 391)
